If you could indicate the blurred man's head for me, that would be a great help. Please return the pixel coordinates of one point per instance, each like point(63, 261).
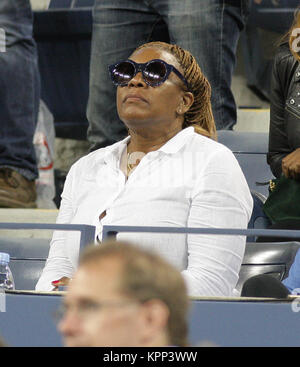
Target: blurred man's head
point(124, 296)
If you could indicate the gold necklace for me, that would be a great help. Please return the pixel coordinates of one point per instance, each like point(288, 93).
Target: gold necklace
point(131, 166)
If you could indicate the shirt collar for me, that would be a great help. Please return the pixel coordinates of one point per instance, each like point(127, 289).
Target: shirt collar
point(173, 145)
point(113, 152)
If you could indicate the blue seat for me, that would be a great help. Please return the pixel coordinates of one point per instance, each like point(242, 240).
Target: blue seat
point(244, 142)
point(28, 255)
point(27, 259)
point(273, 258)
point(250, 149)
point(258, 218)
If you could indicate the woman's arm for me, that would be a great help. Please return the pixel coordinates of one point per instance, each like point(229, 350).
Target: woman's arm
point(58, 264)
point(278, 139)
point(221, 199)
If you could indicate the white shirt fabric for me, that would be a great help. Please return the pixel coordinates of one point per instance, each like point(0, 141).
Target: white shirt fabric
point(191, 181)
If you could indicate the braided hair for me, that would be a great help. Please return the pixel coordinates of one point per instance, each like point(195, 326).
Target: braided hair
point(200, 114)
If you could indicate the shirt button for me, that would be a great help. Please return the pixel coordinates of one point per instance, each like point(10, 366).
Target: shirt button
point(292, 101)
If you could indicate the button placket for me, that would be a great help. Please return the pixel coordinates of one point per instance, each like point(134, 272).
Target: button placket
point(117, 185)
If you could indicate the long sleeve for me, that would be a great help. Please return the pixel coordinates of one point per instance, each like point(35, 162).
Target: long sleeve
point(222, 200)
point(58, 263)
point(278, 138)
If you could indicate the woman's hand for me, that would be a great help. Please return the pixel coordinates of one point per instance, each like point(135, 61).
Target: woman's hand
point(64, 281)
point(291, 165)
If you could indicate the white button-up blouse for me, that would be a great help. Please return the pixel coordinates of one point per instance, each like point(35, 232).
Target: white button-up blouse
point(191, 181)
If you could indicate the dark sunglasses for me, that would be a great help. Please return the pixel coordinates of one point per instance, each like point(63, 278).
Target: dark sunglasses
point(155, 72)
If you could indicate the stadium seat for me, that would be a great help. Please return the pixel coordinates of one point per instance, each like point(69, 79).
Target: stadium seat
point(258, 218)
point(267, 258)
point(27, 259)
point(273, 258)
point(250, 149)
point(28, 255)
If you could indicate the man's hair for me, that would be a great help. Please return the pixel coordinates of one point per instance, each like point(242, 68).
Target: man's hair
point(146, 276)
point(200, 115)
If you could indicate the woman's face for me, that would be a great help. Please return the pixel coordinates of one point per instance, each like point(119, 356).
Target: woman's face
point(142, 106)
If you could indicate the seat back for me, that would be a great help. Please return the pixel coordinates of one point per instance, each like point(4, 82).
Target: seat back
point(258, 218)
point(28, 255)
point(27, 259)
point(250, 150)
point(273, 258)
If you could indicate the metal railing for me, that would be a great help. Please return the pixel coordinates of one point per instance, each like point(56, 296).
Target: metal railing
point(87, 232)
point(110, 231)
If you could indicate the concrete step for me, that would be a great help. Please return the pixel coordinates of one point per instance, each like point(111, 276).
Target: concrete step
point(27, 216)
point(253, 120)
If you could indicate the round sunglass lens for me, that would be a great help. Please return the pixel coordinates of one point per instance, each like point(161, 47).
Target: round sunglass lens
point(155, 72)
point(123, 73)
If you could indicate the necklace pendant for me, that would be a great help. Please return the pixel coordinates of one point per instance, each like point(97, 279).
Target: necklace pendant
point(133, 160)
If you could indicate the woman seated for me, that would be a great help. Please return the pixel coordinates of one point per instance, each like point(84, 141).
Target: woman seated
point(284, 139)
point(284, 133)
point(169, 171)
